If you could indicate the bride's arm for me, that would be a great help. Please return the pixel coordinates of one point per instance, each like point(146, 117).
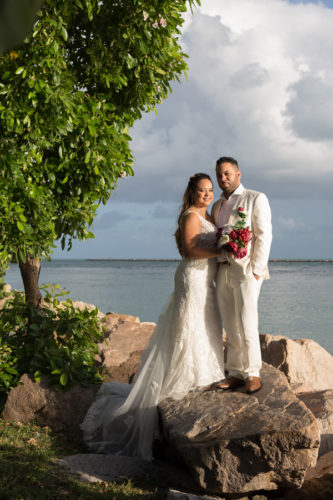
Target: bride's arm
point(190, 231)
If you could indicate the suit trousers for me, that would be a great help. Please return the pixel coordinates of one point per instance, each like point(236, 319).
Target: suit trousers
point(238, 305)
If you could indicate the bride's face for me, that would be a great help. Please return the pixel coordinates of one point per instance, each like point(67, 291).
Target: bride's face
point(203, 194)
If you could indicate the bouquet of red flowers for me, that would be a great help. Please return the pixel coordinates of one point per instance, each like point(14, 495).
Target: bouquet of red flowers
point(234, 239)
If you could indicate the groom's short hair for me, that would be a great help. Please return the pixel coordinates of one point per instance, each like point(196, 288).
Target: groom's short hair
point(226, 159)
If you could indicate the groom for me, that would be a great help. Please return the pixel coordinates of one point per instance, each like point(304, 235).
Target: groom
point(239, 280)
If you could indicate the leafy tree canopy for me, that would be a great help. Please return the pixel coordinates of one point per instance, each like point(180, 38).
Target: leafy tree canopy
point(68, 97)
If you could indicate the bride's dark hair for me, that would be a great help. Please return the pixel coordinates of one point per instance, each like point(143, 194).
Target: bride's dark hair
point(187, 202)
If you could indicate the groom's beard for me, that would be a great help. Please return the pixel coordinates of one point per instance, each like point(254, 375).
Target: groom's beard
point(228, 192)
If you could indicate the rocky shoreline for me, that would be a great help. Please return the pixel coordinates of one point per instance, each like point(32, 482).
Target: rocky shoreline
point(276, 443)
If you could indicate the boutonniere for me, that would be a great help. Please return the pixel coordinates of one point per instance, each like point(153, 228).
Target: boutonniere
point(235, 239)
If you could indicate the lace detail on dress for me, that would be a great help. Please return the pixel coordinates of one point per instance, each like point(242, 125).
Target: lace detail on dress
point(207, 236)
point(184, 353)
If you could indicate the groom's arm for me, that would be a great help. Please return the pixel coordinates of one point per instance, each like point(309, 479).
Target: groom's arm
point(262, 230)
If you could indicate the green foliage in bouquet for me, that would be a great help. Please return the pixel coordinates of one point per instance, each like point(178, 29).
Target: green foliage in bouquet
point(58, 340)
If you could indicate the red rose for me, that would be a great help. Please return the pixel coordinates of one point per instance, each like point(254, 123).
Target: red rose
point(231, 247)
point(244, 235)
point(241, 235)
point(241, 252)
point(247, 235)
point(233, 235)
point(240, 209)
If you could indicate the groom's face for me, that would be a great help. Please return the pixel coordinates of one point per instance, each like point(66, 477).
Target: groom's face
point(228, 177)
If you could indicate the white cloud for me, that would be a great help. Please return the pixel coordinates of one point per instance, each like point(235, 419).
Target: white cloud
point(258, 89)
point(110, 219)
point(163, 211)
point(311, 108)
point(291, 223)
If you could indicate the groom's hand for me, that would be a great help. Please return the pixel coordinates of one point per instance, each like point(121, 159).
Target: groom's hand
point(256, 276)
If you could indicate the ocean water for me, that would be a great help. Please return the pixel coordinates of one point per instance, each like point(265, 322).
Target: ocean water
point(296, 302)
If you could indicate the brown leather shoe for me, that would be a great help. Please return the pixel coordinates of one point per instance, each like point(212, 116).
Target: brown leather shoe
point(252, 385)
point(229, 383)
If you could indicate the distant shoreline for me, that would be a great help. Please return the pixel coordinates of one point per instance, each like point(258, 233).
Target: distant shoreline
point(177, 260)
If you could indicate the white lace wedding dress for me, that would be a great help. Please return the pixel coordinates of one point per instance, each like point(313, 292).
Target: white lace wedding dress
point(184, 353)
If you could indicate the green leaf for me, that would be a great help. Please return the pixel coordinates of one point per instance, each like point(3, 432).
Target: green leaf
point(27, 120)
point(22, 256)
point(143, 47)
point(131, 61)
point(64, 33)
point(27, 228)
point(19, 225)
point(9, 369)
point(92, 130)
point(64, 379)
point(19, 70)
point(96, 170)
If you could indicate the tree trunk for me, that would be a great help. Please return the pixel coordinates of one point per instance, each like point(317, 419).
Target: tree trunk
point(30, 274)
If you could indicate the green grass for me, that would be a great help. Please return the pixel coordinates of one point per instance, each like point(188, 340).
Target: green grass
point(28, 472)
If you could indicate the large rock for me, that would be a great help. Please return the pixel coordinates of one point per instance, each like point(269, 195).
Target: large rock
point(125, 371)
point(182, 495)
point(95, 468)
point(321, 405)
point(125, 340)
point(60, 410)
point(232, 442)
point(307, 366)
point(318, 484)
point(322, 467)
point(78, 304)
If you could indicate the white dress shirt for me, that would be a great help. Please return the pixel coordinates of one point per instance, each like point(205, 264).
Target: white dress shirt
point(228, 204)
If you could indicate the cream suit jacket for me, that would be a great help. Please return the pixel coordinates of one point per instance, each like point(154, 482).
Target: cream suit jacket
point(258, 211)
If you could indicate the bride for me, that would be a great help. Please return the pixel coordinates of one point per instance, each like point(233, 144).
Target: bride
point(185, 352)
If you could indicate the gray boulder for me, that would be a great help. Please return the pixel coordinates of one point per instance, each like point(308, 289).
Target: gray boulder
point(318, 484)
point(60, 410)
point(323, 466)
point(307, 366)
point(95, 468)
point(233, 443)
point(125, 340)
point(321, 405)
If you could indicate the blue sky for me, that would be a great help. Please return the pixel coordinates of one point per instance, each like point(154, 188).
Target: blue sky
point(259, 88)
